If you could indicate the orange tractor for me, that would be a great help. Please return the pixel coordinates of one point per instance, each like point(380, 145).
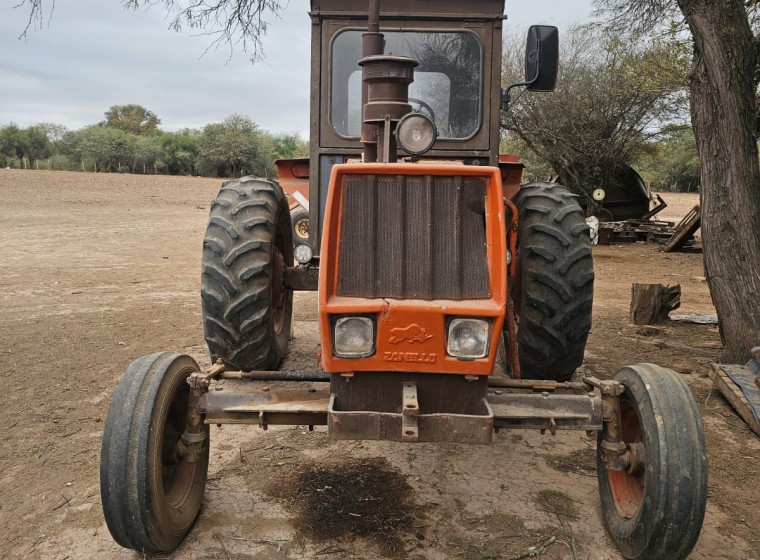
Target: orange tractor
point(431, 261)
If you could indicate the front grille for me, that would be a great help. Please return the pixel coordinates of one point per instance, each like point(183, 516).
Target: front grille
point(411, 236)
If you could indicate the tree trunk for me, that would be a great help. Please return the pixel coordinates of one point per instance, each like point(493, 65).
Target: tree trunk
point(723, 108)
point(651, 303)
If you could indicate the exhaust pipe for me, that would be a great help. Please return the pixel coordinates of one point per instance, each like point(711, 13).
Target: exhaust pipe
point(372, 45)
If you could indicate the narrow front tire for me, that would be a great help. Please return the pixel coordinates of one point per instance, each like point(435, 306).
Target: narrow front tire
point(151, 492)
point(656, 512)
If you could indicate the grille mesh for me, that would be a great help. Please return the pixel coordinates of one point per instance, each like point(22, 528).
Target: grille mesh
point(413, 237)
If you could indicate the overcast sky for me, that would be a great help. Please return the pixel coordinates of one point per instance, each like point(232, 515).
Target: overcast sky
point(93, 54)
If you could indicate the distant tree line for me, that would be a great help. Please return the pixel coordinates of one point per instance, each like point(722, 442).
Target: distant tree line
point(129, 140)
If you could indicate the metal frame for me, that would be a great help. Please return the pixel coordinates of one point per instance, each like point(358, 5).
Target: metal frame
point(420, 411)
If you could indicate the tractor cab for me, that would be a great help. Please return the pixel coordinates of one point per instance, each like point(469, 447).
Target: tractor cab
point(456, 84)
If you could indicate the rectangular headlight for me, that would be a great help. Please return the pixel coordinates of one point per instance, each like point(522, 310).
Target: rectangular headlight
point(468, 338)
point(354, 337)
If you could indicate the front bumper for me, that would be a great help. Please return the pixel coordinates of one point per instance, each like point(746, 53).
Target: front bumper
point(404, 407)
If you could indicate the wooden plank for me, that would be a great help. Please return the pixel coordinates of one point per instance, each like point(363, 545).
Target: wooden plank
point(735, 396)
point(685, 230)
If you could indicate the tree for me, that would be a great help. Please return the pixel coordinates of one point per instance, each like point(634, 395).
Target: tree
point(234, 147)
point(55, 132)
point(146, 153)
point(671, 164)
point(603, 111)
point(14, 143)
point(289, 146)
point(107, 148)
point(38, 144)
point(132, 118)
point(180, 150)
point(723, 90)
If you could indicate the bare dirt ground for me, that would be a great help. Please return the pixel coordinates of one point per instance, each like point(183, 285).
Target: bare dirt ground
point(97, 270)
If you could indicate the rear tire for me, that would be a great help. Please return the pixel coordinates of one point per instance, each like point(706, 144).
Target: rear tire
point(246, 307)
point(657, 513)
point(555, 282)
point(150, 494)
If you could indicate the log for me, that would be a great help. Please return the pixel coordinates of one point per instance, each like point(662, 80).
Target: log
point(651, 303)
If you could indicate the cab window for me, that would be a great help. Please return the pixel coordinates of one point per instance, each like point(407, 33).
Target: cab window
point(446, 87)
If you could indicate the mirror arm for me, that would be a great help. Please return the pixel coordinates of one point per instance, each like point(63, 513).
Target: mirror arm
point(506, 99)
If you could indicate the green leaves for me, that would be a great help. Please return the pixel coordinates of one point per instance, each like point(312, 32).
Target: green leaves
point(132, 118)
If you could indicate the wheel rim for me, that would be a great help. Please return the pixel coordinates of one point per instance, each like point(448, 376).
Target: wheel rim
point(628, 488)
point(177, 474)
point(301, 228)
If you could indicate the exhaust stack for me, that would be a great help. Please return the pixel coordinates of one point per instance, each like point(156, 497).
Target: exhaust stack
point(385, 91)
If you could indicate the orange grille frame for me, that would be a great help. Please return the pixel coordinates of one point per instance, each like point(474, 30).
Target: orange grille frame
point(411, 333)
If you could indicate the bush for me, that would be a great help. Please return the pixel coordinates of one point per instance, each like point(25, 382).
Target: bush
point(61, 162)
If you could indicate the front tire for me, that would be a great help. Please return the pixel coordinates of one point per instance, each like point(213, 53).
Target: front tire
point(151, 495)
point(656, 514)
point(554, 288)
point(246, 307)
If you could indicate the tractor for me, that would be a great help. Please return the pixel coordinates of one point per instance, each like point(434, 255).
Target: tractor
point(431, 261)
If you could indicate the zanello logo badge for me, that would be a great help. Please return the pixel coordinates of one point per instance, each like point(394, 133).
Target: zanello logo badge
point(413, 333)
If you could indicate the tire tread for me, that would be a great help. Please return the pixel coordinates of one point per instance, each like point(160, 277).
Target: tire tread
point(236, 274)
point(557, 282)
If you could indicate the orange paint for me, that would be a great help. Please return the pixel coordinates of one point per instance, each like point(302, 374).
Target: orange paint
point(293, 176)
point(511, 174)
point(411, 334)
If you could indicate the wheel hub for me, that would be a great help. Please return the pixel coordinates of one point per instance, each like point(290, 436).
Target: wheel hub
point(628, 484)
point(302, 228)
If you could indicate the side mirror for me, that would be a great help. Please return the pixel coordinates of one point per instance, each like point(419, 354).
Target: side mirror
point(542, 58)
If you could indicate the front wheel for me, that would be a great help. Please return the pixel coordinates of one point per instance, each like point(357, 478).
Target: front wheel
point(655, 512)
point(151, 491)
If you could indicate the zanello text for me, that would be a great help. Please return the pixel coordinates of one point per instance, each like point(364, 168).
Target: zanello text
point(418, 357)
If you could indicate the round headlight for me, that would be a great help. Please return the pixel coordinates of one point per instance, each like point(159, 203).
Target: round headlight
point(303, 253)
point(416, 133)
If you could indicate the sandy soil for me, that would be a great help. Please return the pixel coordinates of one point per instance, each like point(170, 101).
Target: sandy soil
point(97, 270)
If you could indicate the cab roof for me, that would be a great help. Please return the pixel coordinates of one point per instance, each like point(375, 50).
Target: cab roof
point(428, 9)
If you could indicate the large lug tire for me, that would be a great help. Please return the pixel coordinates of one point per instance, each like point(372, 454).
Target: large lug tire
point(656, 514)
point(554, 287)
point(246, 307)
point(299, 220)
point(151, 494)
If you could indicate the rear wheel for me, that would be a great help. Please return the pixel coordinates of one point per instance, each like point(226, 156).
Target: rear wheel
point(554, 287)
point(151, 491)
point(656, 511)
point(246, 307)
point(299, 220)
